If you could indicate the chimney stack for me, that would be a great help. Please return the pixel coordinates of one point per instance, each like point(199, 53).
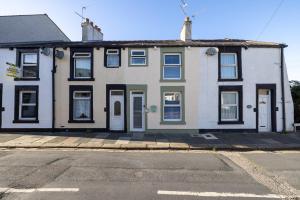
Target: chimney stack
point(186, 31)
point(90, 32)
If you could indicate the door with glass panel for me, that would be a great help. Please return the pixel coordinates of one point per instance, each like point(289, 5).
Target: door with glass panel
point(116, 119)
point(137, 111)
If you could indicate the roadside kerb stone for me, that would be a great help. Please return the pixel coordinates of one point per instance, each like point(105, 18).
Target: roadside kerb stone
point(134, 145)
point(179, 146)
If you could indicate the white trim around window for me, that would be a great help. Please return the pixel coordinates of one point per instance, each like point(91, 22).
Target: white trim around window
point(22, 104)
point(32, 63)
point(235, 65)
point(138, 54)
point(228, 106)
point(83, 56)
point(82, 96)
point(171, 65)
point(173, 95)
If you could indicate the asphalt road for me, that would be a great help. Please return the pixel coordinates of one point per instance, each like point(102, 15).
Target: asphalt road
point(91, 175)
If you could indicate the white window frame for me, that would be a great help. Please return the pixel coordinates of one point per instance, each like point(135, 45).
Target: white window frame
point(78, 55)
point(138, 56)
point(21, 104)
point(82, 98)
point(236, 104)
point(112, 52)
point(172, 105)
point(172, 65)
point(230, 65)
point(28, 64)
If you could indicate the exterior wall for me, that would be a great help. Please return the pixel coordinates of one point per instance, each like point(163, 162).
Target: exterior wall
point(148, 75)
point(45, 91)
point(259, 66)
point(201, 88)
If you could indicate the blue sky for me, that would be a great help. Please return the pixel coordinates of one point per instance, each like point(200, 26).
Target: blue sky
point(162, 19)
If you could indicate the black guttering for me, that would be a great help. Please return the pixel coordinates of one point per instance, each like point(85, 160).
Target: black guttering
point(53, 88)
point(145, 43)
point(282, 86)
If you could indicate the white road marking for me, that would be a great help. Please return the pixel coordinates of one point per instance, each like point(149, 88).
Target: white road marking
point(30, 190)
point(209, 136)
point(217, 194)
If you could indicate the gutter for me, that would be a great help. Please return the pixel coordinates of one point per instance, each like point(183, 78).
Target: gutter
point(282, 46)
point(53, 89)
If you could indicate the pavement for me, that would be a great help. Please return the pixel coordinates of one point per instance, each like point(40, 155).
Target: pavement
point(140, 141)
point(27, 174)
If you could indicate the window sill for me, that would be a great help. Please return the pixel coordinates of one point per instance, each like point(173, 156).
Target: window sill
point(172, 122)
point(137, 65)
point(228, 80)
point(25, 121)
point(170, 80)
point(112, 67)
point(81, 79)
point(231, 122)
point(27, 79)
point(81, 121)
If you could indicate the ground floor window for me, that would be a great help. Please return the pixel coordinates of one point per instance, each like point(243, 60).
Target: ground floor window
point(81, 101)
point(26, 104)
point(230, 104)
point(172, 105)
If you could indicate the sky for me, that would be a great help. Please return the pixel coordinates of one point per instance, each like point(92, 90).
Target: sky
point(264, 20)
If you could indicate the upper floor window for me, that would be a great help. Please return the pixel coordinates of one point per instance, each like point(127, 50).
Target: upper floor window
point(82, 65)
point(172, 66)
point(229, 68)
point(29, 65)
point(112, 57)
point(230, 64)
point(138, 57)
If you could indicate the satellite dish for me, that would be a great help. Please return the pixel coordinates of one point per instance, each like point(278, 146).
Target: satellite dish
point(212, 51)
point(59, 54)
point(45, 51)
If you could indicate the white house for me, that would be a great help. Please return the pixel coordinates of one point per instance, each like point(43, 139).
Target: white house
point(26, 101)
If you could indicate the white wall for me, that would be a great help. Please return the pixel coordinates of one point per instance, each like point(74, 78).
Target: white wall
point(45, 91)
point(259, 66)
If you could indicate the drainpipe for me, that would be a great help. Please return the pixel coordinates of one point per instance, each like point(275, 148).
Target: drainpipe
point(282, 46)
point(53, 89)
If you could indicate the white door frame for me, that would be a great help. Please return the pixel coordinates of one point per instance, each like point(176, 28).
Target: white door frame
point(112, 120)
point(132, 95)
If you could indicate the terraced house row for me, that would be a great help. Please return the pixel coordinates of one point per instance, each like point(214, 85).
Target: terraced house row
point(155, 86)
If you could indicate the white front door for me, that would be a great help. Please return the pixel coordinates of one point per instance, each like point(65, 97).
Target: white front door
point(116, 110)
point(264, 111)
point(137, 111)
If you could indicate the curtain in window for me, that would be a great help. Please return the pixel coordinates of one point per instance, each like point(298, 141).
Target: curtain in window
point(112, 60)
point(227, 59)
point(229, 108)
point(81, 109)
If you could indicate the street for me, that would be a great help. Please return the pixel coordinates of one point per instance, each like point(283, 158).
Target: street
point(89, 175)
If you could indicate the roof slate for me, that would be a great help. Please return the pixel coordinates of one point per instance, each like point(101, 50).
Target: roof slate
point(29, 28)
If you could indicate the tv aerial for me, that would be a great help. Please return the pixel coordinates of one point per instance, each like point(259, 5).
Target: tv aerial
point(83, 9)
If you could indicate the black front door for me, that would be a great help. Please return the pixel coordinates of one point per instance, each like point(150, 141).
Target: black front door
point(1, 109)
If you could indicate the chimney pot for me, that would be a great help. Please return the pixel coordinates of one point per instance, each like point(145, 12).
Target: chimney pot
point(90, 31)
point(186, 31)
